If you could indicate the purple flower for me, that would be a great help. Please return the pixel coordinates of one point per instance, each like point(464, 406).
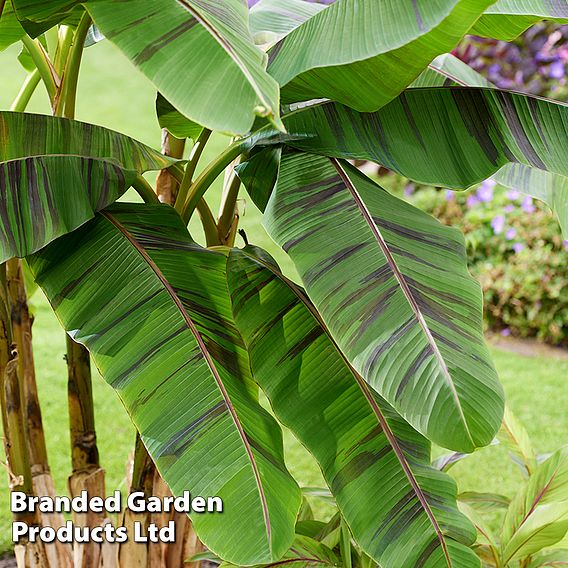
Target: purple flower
point(510, 234)
point(485, 191)
point(498, 224)
point(557, 70)
point(566, 245)
point(450, 195)
point(509, 208)
point(506, 332)
point(471, 200)
point(513, 194)
point(408, 190)
point(527, 205)
point(518, 247)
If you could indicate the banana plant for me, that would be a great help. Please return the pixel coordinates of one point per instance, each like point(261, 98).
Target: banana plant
point(376, 354)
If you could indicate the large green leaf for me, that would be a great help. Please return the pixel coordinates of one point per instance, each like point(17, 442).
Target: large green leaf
point(172, 120)
point(37, 16)
point(546, 186)
point(271, 20)
point(55, 173)
point(153, 309)
point(392, 285)
point(352, 51)
point(507, 19)
point(259, 174)
point(453, 136)
point(199, 54)
point(11, 30)
point(400, 510)
point(538, 516)
point(447, 70)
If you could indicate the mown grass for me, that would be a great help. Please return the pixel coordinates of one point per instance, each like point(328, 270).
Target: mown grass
point(114, 94)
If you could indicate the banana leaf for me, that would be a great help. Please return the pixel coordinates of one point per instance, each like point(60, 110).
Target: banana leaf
point(271, 20)
point(199, 54)
point(56, 173)
point(392, 285)
point(11, 30)
point(153, 309)
point(400, 510)
point(454, 137)
point(508, 19)
point(364, 53)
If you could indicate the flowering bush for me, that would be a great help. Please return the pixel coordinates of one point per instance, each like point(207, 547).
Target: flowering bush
point(517, 254)
point(535, 63)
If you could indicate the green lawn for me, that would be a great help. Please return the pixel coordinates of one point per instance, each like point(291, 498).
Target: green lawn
point(115, 95)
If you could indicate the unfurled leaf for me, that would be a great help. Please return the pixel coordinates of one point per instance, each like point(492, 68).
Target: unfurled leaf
point(455, 137)
point(271, 20)
point(153, 309)
point(199, 54)
point(56, 173)
point(538, 516)
point(508, 19)
point(352, 51)
point(392, 285)
point(447, 70)
point(172, 120)
point(400, 510)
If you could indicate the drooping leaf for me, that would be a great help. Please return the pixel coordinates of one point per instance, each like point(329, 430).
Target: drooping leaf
point(175, 122)
point(259, 174)
point(351, 52)
point(447, 70)
point(392, 285)
point(271, 20)
point(11, 30)
point(55, 173)
point(538, 516)
point(400, 510)
point(199, 54)
point(546, 186)
point(508, 19)
point(153, 309)
point(455, 137)
point(305, 553)
point(38, 16)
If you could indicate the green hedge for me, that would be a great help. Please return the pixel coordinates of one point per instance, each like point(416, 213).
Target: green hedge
point(517, 253)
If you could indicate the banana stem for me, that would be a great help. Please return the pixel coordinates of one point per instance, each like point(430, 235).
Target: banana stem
point(43, 65)
point(27, 90)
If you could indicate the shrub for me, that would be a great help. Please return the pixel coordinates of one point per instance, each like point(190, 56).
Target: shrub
point(517, 254)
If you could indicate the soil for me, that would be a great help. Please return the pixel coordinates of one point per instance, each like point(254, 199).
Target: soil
point(7, 561)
